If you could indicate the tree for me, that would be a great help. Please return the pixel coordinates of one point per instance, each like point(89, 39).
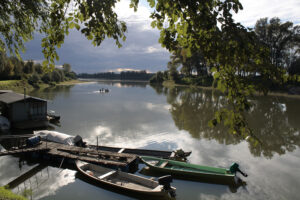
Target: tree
point(56, 76)
point(67, 67)
point(28, 67)
point(295, 67)
point(34, 79)
point(282, 40)
point(38, 68)
point(18, 67)
point(47, 78)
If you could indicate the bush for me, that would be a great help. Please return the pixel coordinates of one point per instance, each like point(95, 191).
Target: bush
point(71, 75)
point(34, 79)
point(158, 78)
point(56, 76)
point(46, 78)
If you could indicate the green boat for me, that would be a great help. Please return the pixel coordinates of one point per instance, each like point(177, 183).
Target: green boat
point(192, 171)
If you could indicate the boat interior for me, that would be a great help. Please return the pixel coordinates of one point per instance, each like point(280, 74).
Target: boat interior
point(120, 178)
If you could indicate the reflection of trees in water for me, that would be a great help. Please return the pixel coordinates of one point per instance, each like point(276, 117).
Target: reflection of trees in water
point(275, 124)
point(50, 93)
point(192, 109)
point(141, 84)
point(270, 121)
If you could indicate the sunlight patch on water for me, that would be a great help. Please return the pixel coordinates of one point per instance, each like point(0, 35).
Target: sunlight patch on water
point(157, 107)
point(148, 136)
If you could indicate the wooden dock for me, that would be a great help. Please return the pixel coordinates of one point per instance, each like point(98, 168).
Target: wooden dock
point(52, 150)
point(20, 140)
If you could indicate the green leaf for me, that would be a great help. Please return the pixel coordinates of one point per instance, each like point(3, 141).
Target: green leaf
point(216, 75)
point(45, 63)
point(77, 26)
point(151, 3)
point(153, 24)
point(90, 37)
point(71, 25)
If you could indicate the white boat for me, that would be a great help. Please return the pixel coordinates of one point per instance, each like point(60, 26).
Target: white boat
point(126, 181)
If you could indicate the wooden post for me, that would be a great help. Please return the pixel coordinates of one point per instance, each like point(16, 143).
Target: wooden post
point(97, 143)
point(97, 148)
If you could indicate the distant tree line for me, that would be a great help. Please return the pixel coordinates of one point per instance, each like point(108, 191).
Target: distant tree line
point(11, 68)
point(125, 75)
point(281, 41)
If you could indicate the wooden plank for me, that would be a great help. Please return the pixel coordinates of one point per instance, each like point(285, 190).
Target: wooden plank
point(107, 174)
point(121, 150)
point(79, 153)
point(26, 150)
point(162, 165)
point(140, 152)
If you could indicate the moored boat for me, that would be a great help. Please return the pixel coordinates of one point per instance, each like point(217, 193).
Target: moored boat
point(126, 181)
point(192, 171)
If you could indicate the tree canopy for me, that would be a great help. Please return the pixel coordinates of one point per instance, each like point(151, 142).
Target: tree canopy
point(282, 40)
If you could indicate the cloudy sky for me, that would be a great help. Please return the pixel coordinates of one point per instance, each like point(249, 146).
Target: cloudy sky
point(141, 50)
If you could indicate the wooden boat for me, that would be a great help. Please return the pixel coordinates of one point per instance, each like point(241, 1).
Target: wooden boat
point(125, 181)
point(192, 171)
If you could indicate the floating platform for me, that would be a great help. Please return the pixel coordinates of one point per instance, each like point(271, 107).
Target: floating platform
point(140, 152)
point(52, 150)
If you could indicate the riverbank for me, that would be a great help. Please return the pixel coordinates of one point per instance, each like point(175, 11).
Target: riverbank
point(170, 84)
point(19, 85)
point(9, 195)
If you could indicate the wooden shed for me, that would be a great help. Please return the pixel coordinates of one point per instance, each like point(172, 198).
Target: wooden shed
point(23, 111)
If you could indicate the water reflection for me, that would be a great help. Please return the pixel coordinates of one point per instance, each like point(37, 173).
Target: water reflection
point(119, 84)
point(272, 119)
point(50, 93)
point(39, 179)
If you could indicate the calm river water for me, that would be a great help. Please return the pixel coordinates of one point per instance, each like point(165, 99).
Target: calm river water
point(139, 116)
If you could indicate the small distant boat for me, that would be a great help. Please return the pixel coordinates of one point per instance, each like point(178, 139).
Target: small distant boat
point(126, 181)
point(103, 90)
point(193, 171)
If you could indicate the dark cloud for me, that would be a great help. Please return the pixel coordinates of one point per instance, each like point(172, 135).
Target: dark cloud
point(141, 50)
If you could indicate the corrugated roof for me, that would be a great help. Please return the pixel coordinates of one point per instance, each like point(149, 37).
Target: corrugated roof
point(11, 97)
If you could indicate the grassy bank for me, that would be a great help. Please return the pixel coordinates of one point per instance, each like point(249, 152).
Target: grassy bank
point(9, 195)
point(71, 82)
point(15, 85)
point(18, 85)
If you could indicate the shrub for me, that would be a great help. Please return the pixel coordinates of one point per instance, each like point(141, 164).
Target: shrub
point(34, 79)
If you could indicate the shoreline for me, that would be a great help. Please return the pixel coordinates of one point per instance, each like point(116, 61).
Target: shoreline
point(169, 84)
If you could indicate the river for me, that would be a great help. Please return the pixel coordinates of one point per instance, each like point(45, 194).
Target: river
point(136, 115)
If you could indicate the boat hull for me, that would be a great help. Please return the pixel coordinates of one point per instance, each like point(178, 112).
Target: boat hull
point(157, 190)
point(188, 171)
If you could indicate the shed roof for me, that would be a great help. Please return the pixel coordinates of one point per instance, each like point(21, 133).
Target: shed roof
point(11, 97)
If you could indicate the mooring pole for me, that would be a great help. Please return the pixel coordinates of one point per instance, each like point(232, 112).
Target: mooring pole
point(97, 143)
